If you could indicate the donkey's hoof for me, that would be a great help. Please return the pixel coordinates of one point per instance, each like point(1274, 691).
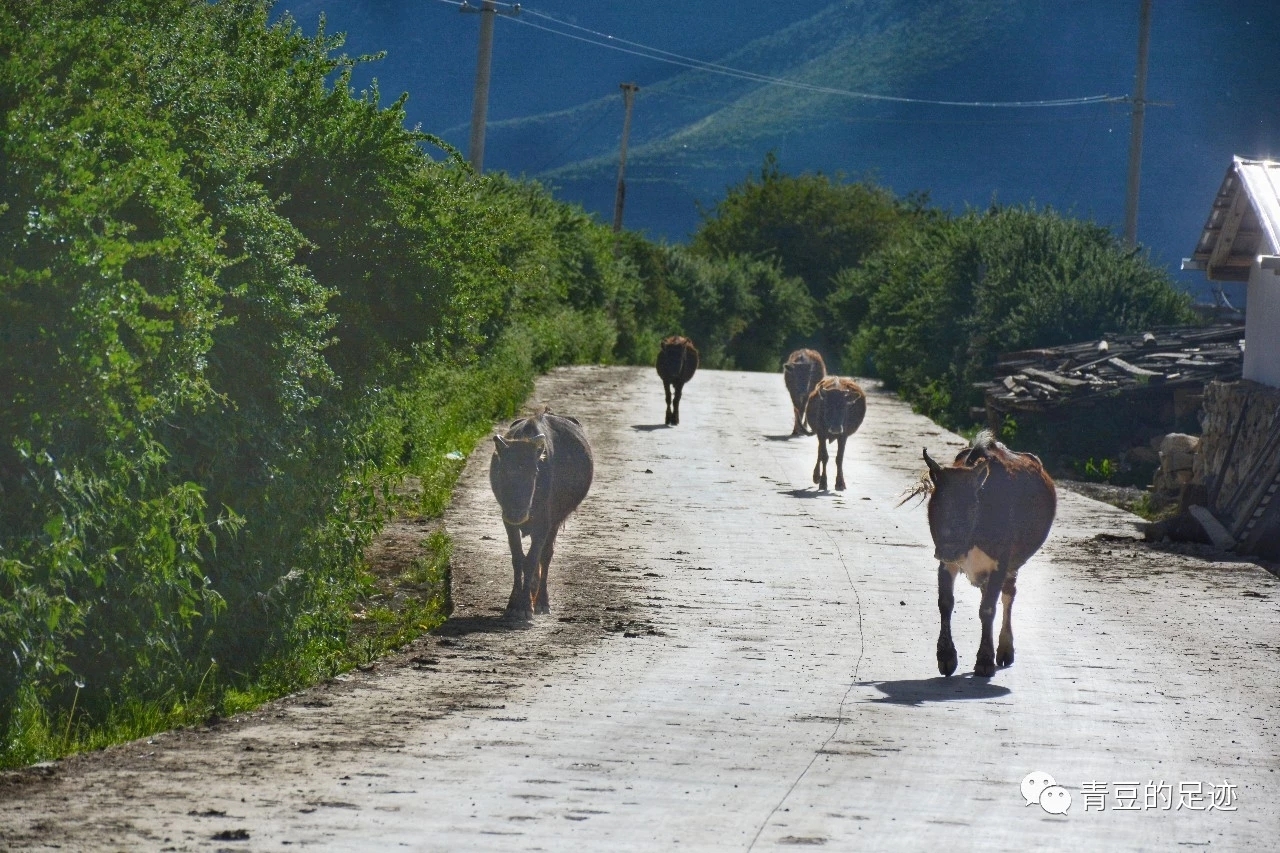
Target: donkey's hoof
point(517, 613)
point(946, 659)
point(1004, 656)
point(839, 485)
point(985, 666)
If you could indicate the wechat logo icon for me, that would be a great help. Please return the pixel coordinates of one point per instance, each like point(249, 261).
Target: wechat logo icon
point(1039, 788)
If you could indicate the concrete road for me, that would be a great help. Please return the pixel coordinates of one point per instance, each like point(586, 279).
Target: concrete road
point(738, 662)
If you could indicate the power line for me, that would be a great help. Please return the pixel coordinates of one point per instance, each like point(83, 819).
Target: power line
point(632, 48)
point(855, 119)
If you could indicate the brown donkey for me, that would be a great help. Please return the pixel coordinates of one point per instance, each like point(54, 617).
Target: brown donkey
point(834, 412)
point(540, 471)
point(989, 511)
point(802, 373)
point(677, 360)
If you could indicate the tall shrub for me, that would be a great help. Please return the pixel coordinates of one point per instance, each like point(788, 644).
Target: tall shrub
point(929, 314)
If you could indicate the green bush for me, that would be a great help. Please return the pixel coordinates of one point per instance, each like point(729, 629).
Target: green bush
point(930, 313)
point(240, 305)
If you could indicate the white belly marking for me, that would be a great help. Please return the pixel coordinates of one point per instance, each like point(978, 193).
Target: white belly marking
point(975, 565)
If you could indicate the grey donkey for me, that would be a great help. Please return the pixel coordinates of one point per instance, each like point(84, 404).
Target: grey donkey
point(540, 471)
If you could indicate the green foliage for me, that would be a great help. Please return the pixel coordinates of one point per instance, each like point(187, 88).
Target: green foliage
point(814, 225)
point(240, 305)
point(929, 313)
point(742, 312)
point(1098, 472)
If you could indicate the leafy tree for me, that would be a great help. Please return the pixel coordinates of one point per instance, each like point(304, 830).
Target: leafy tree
point(739, 311)
point(813, 225)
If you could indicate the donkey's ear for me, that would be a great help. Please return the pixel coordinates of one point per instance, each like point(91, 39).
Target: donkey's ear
point(501, 443)
point(935, 470)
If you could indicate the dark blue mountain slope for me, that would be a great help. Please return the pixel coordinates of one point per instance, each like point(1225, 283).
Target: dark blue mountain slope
point(556, 113)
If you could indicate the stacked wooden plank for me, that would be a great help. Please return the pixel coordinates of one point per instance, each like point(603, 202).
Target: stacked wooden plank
point(1163, 360)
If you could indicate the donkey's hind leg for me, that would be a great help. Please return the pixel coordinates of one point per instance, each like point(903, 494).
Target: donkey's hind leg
point(666, 387)
point(1004, 650)
point(985, 666)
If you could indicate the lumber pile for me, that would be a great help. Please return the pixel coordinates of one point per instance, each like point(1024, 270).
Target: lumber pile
point(1162, 360)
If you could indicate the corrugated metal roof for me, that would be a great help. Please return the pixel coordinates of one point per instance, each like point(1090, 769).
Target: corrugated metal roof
point(1261, 179)
point(1243, 223)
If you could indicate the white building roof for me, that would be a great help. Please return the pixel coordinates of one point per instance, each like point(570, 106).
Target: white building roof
point(1243, 224)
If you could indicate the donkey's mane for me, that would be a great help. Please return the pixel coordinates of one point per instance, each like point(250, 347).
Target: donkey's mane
point(985, 440)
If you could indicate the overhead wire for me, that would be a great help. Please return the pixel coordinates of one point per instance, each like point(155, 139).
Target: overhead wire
point(638, 49)
point(633, 48)
point(872, 119)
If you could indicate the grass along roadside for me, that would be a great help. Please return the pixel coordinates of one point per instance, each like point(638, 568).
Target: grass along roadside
point(421, 433)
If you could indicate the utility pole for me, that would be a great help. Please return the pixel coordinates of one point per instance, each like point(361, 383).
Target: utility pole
point(628, 97)
point(1135, 132)
point(480, 100)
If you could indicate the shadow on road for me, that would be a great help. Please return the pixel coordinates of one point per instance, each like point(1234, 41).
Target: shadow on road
point(804, 493)
point(780, 437)
point(464, 625)
point(647, 427)
point(917, 691)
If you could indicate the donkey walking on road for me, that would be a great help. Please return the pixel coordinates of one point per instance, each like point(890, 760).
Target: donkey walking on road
point(540, 471)
point(677, 361)
point(802, 373)
point(989, 511)
point(834, 412)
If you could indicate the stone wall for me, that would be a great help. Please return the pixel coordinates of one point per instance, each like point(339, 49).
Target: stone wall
point(1239, 462)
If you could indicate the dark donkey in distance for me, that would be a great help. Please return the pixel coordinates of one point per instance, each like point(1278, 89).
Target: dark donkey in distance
point(677, 361)
point(802, 373)
point(989, 511)
point(834, 412)
point(540, 471)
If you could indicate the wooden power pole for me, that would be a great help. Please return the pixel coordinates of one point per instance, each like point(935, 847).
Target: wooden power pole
point(1135, 132)
point(628, 97)
point(480, 101)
